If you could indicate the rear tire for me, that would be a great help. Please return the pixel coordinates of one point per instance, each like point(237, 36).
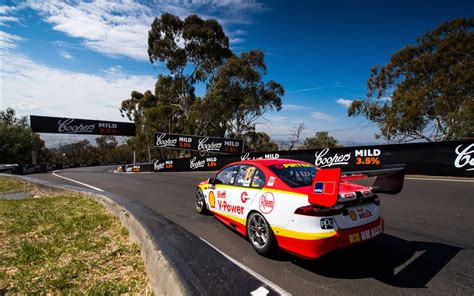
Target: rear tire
point(260, 234)
point(200, 202)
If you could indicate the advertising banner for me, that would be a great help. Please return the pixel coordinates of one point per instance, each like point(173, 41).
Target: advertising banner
point(199, 143)
point(61, 125)
point(454, 158)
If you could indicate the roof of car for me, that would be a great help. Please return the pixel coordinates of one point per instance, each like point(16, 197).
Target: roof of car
point(269, 162)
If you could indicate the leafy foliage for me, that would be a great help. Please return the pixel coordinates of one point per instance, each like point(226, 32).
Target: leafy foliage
point(258, 141)
point(196, 51)
point(319, 141)
point(17, 140)
point(427, 90)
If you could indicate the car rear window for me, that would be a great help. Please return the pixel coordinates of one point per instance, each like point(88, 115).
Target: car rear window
point(295, 174)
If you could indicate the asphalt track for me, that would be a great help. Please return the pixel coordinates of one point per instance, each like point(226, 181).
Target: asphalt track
point(427, 247)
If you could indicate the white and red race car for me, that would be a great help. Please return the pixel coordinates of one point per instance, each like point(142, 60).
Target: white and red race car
point(295, 206)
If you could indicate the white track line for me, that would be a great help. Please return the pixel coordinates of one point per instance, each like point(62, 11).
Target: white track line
point(258, 276)
point(80, 183)
point(440, 179)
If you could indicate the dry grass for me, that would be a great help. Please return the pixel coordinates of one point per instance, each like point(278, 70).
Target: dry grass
point(66, 245)
point(13, 185)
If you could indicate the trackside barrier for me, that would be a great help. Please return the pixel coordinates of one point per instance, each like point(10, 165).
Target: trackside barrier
point(175, 259)
point(454, 158)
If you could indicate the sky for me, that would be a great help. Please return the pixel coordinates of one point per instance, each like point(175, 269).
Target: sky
point(81, 59)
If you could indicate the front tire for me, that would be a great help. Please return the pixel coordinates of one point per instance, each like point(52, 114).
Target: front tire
point(200, 202)
point(260, 234)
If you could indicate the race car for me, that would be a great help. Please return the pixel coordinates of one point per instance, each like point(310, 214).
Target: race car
point(295, 206)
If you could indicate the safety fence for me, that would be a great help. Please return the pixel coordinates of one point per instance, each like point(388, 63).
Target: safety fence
point(454, 158)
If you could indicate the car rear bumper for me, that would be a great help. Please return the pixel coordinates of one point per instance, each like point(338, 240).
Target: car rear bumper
point(313, 249)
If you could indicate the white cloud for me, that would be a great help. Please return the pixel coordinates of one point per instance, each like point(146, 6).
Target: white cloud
point(120, 28)
point(5, 18)
point(291, 107)
point(236, 40)
point(8, 41)
point(8, 19)
point(322, 116)
point(344, 102)
point(57, 92)
point(65, 54)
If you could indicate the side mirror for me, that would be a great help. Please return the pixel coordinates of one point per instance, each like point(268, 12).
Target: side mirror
point(212, 180)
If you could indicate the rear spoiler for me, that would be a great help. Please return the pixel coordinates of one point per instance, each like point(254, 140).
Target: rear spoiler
point(325, 186)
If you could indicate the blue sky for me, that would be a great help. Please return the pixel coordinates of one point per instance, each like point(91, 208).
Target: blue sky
point(81, 59)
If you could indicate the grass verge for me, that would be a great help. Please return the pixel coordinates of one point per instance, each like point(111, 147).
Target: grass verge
point(66, 244)
point(13, 185)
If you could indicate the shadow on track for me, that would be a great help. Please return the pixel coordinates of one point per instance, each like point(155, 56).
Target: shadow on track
point(389, 259)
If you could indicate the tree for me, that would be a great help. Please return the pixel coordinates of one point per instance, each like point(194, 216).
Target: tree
point(106, 146)
point(238, 97)
point(197, 51)
point(196, 45)
point(295, 135)
point(426, 91)
point(258, 141)
point(319, 141)
point(17, 140)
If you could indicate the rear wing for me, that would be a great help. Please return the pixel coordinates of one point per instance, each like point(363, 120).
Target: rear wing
point(325, 186)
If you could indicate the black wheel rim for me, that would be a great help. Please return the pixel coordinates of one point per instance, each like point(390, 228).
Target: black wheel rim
point(199, 200)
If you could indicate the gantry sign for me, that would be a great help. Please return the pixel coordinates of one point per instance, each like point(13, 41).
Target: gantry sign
point(199, 143)
point(61, 125)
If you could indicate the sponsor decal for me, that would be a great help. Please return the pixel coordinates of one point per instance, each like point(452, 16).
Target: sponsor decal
point(185, 142)
point(319, 187)
point(47, 124)
point(231, 146)
point(336, 159)
point(367, 156)
point(211, 161)
point(223, 205)
point(367, 152)
point(158, 166)
point(244, 197)
point(169, 164)
point(266, 202)
point(247, 156)
point(212, 199)
point(204, 146)
point(327, 223)
point(107, 128)
point(193, 164)
point(271, 181)
point(353, 215)
point(364, 213)
point(221, 194)
point(65, 126)
point(162, 142)
point(365, 234)
point(464, 158)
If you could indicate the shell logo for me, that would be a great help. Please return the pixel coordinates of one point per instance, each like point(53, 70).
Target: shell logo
point(212, 199)
point(353, 215)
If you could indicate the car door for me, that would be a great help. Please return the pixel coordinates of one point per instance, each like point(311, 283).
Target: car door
point(249, 180)
point(217, 194)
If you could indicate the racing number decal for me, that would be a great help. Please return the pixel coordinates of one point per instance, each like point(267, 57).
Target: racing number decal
point(212, 199)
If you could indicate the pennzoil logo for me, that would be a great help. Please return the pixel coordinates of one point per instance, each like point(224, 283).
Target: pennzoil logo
point(212, 199)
